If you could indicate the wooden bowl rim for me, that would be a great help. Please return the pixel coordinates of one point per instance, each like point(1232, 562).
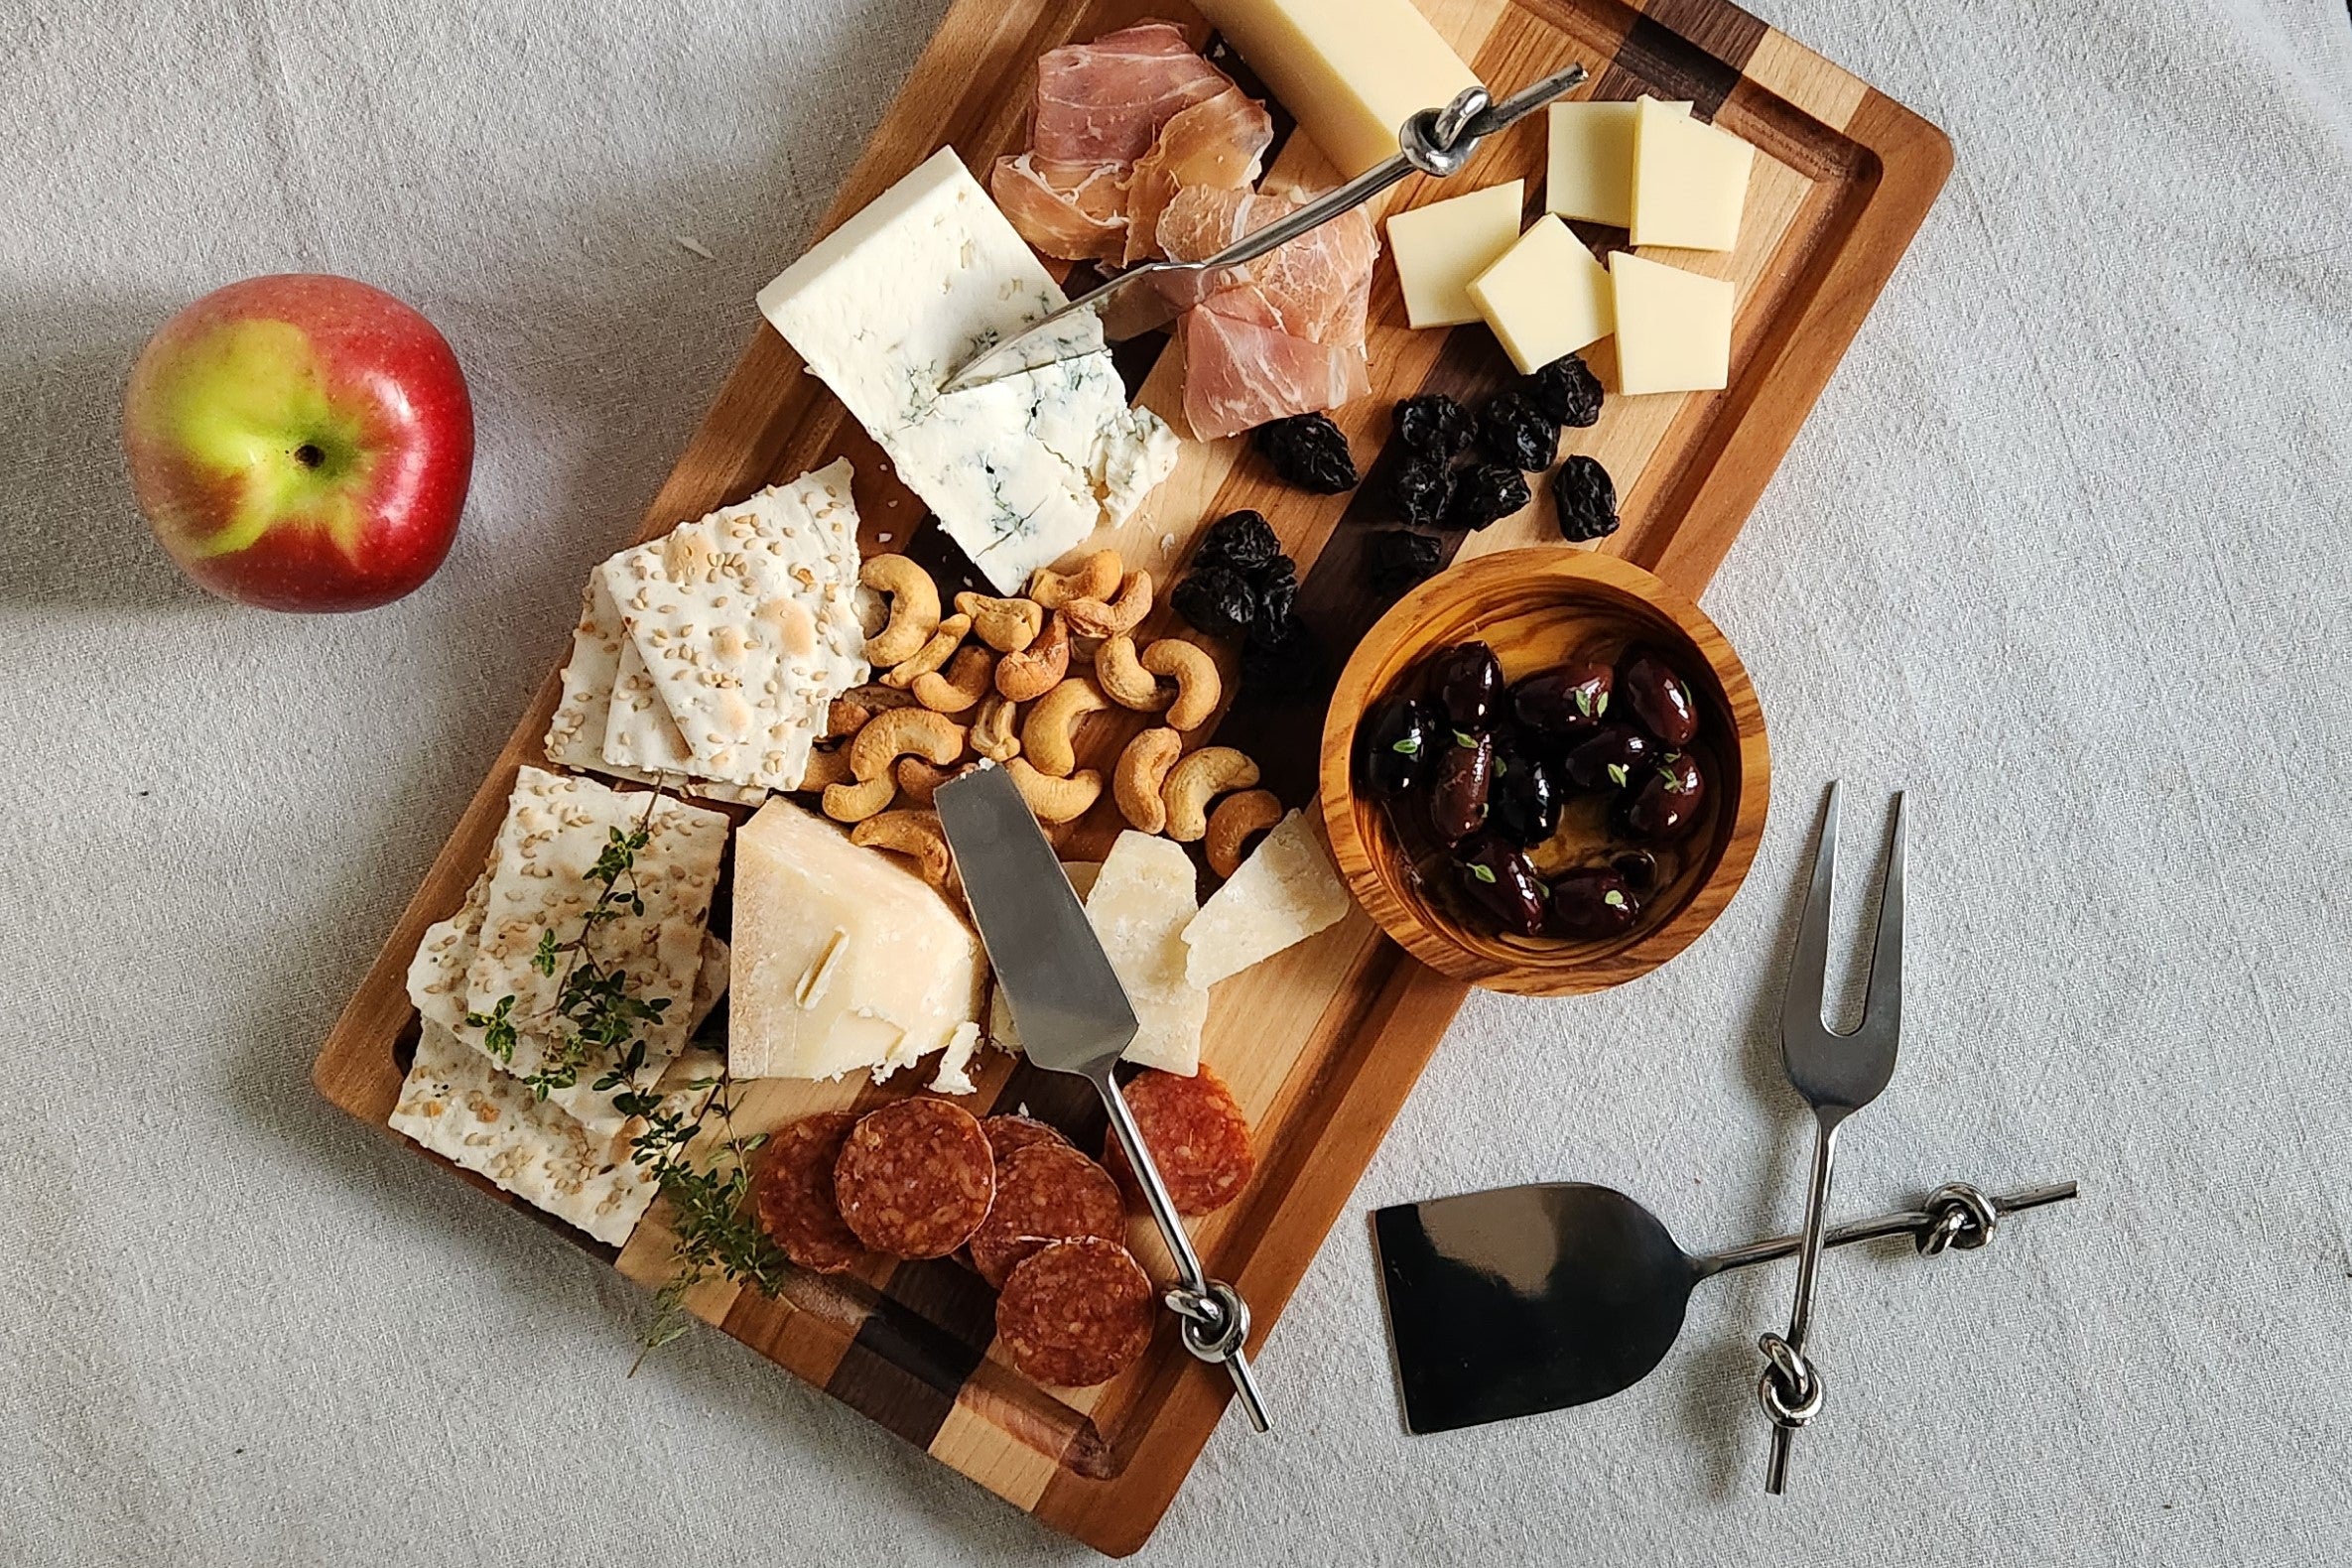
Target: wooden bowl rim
point(1568, 570)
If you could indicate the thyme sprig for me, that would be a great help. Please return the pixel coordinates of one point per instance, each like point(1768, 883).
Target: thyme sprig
point(713, 1231)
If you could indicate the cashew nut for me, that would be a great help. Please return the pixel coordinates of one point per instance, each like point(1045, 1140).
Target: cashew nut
point(1038, 668)
point(1127, 682)
point(933, 654)
point(935, 737)
point(1141, 773)
point(827, 765)
point(1045, 736)
point(1096, 576)
point(1194, 782)
point(1093, 617)
point(844, 719)
point(917, 779)
point(857, 802)
point(1055, 800)
point(915, 833)
point(1005, 625)
point(875, 698)
point(1198, 687)
point(1236, 820)
point(970, 677)
point(914, 609)
point(994, 734)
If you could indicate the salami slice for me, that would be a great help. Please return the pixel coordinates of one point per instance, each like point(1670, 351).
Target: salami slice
point(915, 1179)
point(1076, 1313)
point(1198, 1137)
point(791, 1193)
point(1008, 1134)
point(1047, 1192)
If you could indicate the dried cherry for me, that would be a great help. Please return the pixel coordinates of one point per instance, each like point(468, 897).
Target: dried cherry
point(1309, 451)
point(1435, 424)
point(1486, 493)
point(1516, 432)
point(1567, 390)
point(1584, 500)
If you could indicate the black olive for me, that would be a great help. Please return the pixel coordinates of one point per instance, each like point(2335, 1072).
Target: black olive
point(1666, 805)
point(1524, 802)
point(1486, 493)
point(1242, 541)
point(1563, 703)
point(1498, 880)
point(1660, 699)
point(1308, 450)
point(1517, 433)
point(1467, 681)
point(1433, 422)
point(1591, 905)
point(1458, 789)
point(1567, 390)
point(1608, 757)
point(1584, 500)
point(1638, 867)
point(1394, 744)
point(1396, 559)
point(1218, 601)
point(1418, 489)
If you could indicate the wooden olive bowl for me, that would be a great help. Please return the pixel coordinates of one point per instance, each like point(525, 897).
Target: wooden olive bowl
point(1538, 609)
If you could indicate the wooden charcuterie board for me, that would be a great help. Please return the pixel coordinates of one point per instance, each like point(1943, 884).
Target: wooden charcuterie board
point(1322, 1043)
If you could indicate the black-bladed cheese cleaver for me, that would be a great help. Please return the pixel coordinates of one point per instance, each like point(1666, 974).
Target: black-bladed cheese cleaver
point(1523, 1299)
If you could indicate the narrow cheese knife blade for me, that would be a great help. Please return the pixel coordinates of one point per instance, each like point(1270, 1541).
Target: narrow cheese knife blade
point(1075, 1017)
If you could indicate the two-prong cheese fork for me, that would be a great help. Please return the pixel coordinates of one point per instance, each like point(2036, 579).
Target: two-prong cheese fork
point(1838, 1073)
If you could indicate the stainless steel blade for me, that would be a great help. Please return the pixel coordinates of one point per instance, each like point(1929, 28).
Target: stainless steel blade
point(1075, 1017)
point(1073, 1014)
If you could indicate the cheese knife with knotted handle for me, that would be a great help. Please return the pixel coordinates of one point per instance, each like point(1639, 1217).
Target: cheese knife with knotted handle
point(1075, 1017)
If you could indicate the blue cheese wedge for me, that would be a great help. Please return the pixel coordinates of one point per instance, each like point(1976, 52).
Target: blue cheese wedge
point(1284, 894)
point(1018, 470)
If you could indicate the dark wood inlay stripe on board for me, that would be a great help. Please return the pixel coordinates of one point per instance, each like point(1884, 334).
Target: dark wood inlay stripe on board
point(1684, 49)
point(916, 1347)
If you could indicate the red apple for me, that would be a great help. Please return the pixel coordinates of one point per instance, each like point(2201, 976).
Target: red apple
point(301, 442)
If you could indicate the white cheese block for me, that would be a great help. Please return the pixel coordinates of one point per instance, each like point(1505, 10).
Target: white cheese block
point(843, 960)
point(1440, 247)
point(1018, 470)
point(1690, 180)
point(1589, 173)
point(1673, 327)
point(1141, 903)
point(1350, 72)
point(1284, 894)
point(1546, 297)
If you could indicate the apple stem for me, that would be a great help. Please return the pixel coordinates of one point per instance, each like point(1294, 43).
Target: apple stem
point(309, 455)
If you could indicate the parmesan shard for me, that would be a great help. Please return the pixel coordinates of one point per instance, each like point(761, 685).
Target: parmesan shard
point(843, 960)
point(458, 1104)
point(1284, 894)
point(1140, 905)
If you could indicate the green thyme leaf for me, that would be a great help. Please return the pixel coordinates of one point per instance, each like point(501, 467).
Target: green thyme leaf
point(1483, 873)
point(1409, 746)
point(1618, 774)
point(1614, 899)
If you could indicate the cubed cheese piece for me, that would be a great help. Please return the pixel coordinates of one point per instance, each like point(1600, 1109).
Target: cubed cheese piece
point(1673, 327)
point(1350, 72)
point(843, 960)
point(1017, 469)
point(1440, 247)
point(1589, 174)
point(1690, 180)
point(1284, 894)
point(1140, 905)
point(1545, 298)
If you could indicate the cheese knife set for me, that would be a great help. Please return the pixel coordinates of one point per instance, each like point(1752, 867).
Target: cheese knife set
point(1196, 567)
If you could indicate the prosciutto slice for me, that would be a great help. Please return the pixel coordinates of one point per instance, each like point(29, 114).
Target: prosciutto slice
point(1106, 101)
point(1217, 143)
point(1077, 211)
point(1240, 373)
